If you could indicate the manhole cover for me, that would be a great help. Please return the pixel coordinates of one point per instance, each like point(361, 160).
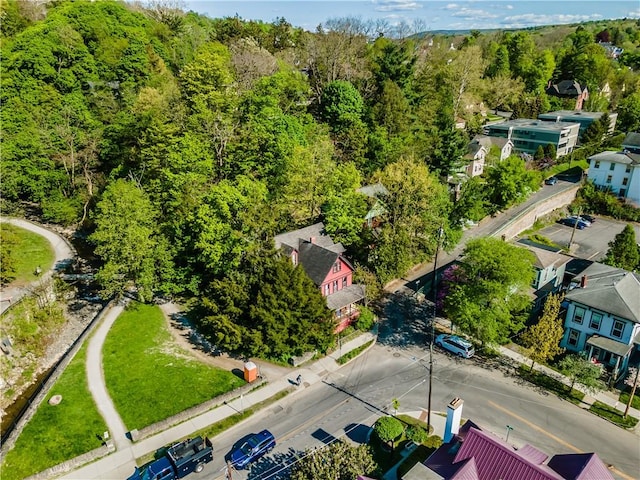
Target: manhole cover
point(396, 354)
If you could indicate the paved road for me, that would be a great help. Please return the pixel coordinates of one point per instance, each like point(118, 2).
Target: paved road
point(63, 255)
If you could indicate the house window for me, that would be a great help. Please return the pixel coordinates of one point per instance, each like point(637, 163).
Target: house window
point(612, 167)
point(294, 257)
point(618, 328)
point(596, 319)
point(623, 192)
point(608, 178)
point(625, 180)
point(326, 289)
point(578, 315)
point(344, 282)
point(597, 164)
point(335, 285)
point(337, 266)
point(574, 336)
point(628, 169)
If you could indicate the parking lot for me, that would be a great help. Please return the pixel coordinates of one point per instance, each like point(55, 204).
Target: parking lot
point(591, 243)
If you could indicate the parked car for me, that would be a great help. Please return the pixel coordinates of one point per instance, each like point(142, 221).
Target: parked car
point(455, 344)
point(571, 221)
point(582, 219)
point(551, 181)
point(588, 218)
point(251, 449)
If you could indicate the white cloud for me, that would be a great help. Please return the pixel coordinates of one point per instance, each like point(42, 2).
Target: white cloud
point(509, 7)
point(451, 6)
point(528, 19)
point(634, 13)
point(473, 14)
point(395, 5)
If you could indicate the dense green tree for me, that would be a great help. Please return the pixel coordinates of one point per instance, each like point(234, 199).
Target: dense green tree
point(624, 251)
point(393, 61)
point(539, 153)
point(550, 151)
point(338, 461)
point(629, 113)
point(473, 203)
point(8, 242)
point(510, 182)
point(499, 66)
point(341, 105)
point(490, 303)
point(127, 241)
point(388, 429)
point(267, 308)
point(543, 338)
point(416, 206)
point(580, 370)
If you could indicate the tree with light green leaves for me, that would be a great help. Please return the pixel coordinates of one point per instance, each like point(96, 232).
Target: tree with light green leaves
point(388, 429)
point(490, 302)
point(543, 338)
point(337, 461)
point(128, 242)
point(580, 370)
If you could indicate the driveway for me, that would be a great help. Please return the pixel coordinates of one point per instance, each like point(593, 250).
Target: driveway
point(591, 243)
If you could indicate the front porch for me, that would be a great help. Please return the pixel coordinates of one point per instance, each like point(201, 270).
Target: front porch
point(344, 304)
point(611, 355)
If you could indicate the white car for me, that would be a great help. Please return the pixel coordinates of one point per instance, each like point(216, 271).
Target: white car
point(457, 345)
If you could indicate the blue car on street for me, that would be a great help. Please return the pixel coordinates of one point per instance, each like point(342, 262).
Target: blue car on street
point(251, 449)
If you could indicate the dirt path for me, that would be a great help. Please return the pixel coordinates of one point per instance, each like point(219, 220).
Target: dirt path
point(186, 338)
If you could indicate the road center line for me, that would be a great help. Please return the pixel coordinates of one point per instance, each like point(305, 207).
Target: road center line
point(535, 427)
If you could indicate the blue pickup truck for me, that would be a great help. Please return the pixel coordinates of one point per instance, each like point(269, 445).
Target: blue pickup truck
point(177, 461)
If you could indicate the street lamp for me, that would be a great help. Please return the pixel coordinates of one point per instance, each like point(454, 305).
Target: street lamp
point(509, 428)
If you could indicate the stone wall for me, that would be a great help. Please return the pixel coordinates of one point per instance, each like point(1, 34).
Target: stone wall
point(528, 217)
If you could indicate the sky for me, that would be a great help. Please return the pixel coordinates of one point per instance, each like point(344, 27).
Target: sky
point(433, 15)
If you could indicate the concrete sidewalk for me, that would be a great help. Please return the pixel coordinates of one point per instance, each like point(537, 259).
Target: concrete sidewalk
point(121, 463)
point(606, 397)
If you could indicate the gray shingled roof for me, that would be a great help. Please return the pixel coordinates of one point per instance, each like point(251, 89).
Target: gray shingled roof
point(566, 88)
point(546, 258)
point(613, 290)
point(632, 140)
point(346, 296)
point(376, 190)
point(317, 261)
point(316, 231)
point(624, 158)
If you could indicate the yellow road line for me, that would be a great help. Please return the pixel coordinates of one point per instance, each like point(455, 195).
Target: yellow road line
point(554, 437)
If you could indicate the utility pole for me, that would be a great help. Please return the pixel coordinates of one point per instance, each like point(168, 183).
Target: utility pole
point(575, 225)
point(434, 291)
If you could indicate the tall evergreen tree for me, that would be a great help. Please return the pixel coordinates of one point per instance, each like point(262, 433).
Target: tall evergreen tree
point(624, 251)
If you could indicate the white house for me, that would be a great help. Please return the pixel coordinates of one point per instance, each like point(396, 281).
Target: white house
point(505, 145)
point(603, 317)
point(618, 172)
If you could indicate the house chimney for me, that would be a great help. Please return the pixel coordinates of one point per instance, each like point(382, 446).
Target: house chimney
point(583, 281)
point(312, 240)
point(454, 415)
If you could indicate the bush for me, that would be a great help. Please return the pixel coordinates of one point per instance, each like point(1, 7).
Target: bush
point(365, 320)
point(433, 441)
point(416, 434)
point(388, 428)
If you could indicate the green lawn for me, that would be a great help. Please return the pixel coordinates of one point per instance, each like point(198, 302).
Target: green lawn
point(624, 398)
point(613, 415)
point(550, 384)
point(29, 251)
point(61, 432)
point(148, 377)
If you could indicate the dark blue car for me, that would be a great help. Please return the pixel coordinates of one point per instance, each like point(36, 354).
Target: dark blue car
point(571, 221)
point(250, 450)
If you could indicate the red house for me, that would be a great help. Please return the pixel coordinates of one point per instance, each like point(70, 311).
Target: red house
point(322, 260)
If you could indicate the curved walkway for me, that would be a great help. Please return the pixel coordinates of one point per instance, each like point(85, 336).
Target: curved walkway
point(63, 255)
point(95, 379)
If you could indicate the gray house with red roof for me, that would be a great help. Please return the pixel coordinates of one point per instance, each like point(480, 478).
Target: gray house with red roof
point(313, 249)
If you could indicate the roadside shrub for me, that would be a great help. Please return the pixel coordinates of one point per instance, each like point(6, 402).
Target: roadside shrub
point(416, 434)
point(388, 429)
point(365, 319)
point(433, 441)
